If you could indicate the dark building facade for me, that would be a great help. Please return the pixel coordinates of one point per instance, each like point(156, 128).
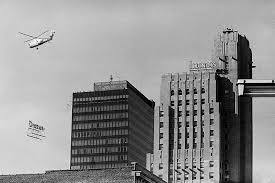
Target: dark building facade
point(111, 126)
point(126, 174)
point(203, 130)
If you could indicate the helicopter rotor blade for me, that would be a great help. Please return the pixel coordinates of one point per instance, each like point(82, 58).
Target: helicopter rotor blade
point(42, 33)
point(26, 35)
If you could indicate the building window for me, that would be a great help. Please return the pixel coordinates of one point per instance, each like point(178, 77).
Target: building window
point(179, 136)
point(194, 164)
point(195, 91)
point(186, 176)
point(179, 125)
point(187, 91)
point(195, 134)
point(170, 178)
point(187, 102)
point(172, 92)
point(161, 166)
point(195, 123)
point(193, 176)
point(195, 101)
point(179, 146)
point(211, 132)
point(226, 147)
point(202, 90)
point(186, 146)
point(187, 113)
point(211, 110)
point(186, 164)
point(211, 121)
point(201, 163)
point(226, 137)
point(194, 145)
point(211, 143)
point(201, 175)
point(211, 175)
point(180, 113)
point(161, 113)
point(180, 103)
point(202, 101)
point(187, 134)
point(161, 135)
point(211, 163)
point(172, 103)
point(180, 92)
point(161, 124)
point(187, 123)
point(195, 112)
point(202, 112)
point(226, 165)
point(160, 146)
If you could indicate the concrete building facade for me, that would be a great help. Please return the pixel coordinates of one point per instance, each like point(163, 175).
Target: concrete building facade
point(111, 126)
point(202, 129)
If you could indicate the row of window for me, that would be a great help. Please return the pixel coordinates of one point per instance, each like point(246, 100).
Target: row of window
point(100, 108)
point(90, 99)
point(195, 112)
point(187, 112)
point(194, 176)
point(195, 123)
point(100, 116)
point(102, 124)
point(97, 142)
point(98, 166)
point(187, 145)
point(195, 145)
point(99, 150)
point(102, 133)
point(194, 164)
point(96, 159)
point(186, 176)
point(187, 102)
point(195, 134)
point(193, 167)
point(187, 91)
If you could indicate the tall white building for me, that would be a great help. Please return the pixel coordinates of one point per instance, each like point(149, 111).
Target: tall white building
point(202, 129)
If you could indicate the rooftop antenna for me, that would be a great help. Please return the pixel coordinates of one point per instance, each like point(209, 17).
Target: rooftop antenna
point(117, 77)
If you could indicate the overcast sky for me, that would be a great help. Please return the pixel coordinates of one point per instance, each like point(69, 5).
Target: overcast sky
point(136, 41)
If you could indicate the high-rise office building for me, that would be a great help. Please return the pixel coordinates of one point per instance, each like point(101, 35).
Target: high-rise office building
point(111, 126)
point(202, 129)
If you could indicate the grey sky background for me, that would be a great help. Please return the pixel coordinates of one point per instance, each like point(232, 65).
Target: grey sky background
point(136, 41)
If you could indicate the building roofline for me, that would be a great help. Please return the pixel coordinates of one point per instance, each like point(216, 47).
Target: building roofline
point(128, 84)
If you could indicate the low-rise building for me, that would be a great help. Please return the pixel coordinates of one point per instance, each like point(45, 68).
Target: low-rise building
point(133, 173)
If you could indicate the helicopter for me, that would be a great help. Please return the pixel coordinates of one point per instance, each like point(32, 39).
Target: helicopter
point(36, 41)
